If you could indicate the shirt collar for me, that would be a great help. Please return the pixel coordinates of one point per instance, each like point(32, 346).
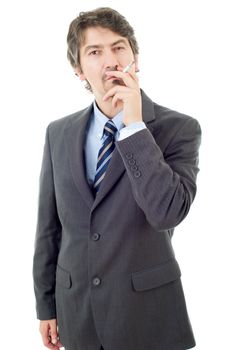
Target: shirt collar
point(100, 120)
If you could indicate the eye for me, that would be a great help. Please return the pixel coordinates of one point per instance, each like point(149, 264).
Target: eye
point(94, 53)
point(119, 48)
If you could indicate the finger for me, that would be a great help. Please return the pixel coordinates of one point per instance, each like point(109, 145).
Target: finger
point(116, 89)
point(47, 342)
point(56, 345)
point(59, 344)
point(51, 346)
point(53, 332)
point(54, 339)
point(116, 98)
point(47, 329)
point(44, 330)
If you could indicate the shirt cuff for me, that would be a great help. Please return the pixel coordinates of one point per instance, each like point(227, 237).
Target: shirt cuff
point(131, 129)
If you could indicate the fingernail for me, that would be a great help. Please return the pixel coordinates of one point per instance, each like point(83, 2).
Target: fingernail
point(54, 340)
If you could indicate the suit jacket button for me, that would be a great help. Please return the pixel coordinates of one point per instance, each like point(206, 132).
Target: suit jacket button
point(131, 161)
point(129, 156)
point(96, 281)
point(96, 236)
point(137, 174)
point(134, 167)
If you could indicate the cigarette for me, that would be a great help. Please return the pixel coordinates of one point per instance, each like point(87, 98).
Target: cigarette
point(127, 68)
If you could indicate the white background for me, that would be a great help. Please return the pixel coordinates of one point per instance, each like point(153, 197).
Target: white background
point(185, 64)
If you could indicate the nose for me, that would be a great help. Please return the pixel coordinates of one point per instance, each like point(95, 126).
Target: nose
point(109, 68)
point(111, 62)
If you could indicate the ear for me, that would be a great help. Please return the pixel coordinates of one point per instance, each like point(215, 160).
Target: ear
point(80, 74)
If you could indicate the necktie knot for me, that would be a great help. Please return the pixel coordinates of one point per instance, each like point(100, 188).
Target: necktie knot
point(110, 129)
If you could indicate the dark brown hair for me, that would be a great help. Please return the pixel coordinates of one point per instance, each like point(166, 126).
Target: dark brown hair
point(103, 17)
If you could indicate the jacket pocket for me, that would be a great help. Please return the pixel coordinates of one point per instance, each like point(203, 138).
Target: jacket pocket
point(63, 277)
point(156, 276)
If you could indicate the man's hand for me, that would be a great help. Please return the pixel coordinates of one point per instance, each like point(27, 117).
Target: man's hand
point(129, 94)
point(49, 333)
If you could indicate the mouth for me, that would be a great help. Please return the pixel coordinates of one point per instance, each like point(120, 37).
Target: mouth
point(114, 80)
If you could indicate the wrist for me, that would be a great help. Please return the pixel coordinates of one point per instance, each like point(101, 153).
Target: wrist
point(129, 122)
point(131, 129)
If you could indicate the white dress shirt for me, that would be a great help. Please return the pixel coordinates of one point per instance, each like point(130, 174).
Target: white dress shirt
point(95, 137)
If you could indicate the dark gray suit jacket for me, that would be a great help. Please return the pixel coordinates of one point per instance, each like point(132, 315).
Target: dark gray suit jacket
point(105, 266)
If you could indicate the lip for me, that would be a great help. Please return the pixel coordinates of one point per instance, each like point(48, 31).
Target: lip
point(111, 77)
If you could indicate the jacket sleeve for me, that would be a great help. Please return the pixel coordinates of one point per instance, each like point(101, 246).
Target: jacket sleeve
point(163, 184)
point(47, 240)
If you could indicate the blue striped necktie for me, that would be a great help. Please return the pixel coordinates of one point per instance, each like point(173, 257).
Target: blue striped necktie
point(105, 154)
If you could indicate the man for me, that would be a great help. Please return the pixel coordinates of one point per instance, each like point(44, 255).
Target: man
point(116, 179)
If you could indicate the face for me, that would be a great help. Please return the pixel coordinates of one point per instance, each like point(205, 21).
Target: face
point(102, 51)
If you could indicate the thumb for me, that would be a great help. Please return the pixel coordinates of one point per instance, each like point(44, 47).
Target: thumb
point(53, 332)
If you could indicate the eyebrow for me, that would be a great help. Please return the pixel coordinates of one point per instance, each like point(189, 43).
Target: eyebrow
point(89, 47)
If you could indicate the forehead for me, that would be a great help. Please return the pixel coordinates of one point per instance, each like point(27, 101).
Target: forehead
point(101, 36)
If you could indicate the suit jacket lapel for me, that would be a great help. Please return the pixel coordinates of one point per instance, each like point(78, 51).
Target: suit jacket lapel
point(116, 166)
point(75, 139)
point(148, 109)
point(114, 171)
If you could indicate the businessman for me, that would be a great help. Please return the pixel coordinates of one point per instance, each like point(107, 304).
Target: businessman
point(116, 179)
